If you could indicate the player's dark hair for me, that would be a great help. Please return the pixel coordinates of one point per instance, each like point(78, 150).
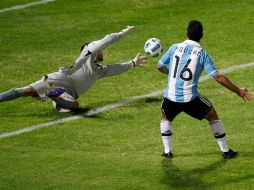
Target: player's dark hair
point(195, 30)
point(82, 47)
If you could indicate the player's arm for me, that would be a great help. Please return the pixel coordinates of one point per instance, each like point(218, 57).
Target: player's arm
point(164, 62)
point(162, 65)
point(242, 92)
point(99, 45)
point(162, 69)
point(223, 80)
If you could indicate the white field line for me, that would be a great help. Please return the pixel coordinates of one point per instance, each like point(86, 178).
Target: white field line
point(111, 106)
point(25, 5)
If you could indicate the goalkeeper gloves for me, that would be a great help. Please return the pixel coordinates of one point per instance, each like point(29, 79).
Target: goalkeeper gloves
point(139, 61)
point(127, 30)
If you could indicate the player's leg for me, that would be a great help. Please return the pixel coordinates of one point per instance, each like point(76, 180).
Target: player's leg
point(63, 101)
point(219, 134)
point(169, 111)
point(201, 108)
point(15, 93)
point(217, 129)
point(166, 134)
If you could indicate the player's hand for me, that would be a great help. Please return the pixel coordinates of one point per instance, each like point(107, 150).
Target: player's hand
point(245, 94)
point(127, 30)
point(139, 61)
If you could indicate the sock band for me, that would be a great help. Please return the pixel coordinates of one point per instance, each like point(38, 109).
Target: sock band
point(166, 134)
point(220, 136)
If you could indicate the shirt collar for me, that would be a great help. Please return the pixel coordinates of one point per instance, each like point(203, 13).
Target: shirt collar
point(191, 42)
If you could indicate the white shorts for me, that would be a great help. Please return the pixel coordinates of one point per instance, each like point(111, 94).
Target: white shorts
point(41, 87)
point(53, 80)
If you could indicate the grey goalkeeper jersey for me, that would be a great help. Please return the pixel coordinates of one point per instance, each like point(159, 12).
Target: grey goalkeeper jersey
point(84, 73)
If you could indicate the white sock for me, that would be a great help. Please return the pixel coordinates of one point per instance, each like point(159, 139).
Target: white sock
point(166, 133)
point(223, 144)
point(218, 131)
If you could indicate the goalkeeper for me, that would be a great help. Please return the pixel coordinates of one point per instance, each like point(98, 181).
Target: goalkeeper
point(66, 85)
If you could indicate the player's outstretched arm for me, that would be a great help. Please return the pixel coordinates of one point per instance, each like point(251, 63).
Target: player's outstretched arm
point(127, 30)
point(139, 61)
point(244, 93)
point(99, 45)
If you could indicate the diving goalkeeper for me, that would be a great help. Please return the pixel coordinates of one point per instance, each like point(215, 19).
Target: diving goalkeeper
point(65, 86)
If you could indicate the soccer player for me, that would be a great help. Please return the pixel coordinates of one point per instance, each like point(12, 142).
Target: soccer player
point(66, 85)
point(184, 63)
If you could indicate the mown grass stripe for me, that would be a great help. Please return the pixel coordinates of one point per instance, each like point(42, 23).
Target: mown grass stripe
point(111, 106)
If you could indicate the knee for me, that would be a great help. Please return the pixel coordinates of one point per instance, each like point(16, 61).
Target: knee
point(212, 115)
point(28, 91)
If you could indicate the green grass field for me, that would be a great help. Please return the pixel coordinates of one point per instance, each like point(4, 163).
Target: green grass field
point(120, 148)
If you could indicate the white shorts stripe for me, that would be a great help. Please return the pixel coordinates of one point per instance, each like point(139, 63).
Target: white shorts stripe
point(204, 100)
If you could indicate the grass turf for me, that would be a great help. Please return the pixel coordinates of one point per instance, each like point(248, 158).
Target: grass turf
point(120, 149)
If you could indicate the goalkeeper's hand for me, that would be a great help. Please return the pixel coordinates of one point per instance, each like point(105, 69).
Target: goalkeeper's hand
point(139, 61)
point(127, 30)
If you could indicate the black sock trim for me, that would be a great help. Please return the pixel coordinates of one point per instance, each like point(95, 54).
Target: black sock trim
point(220, 136)
point(166, 134)
point(134, 64)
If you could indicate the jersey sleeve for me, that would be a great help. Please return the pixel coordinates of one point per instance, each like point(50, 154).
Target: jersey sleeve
point(165, 59)
point(96, 46)
point(209, 66)
point(99, 45)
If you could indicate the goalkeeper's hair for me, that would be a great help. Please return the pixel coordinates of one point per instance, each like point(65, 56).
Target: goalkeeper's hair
point(195, 30)
point(83, 46)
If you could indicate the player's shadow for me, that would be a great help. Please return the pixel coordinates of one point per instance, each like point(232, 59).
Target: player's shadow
point(153, 99)
point(247, 154)
point(187, 179)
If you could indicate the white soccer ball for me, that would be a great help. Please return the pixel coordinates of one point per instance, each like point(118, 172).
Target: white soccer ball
point(153, 47)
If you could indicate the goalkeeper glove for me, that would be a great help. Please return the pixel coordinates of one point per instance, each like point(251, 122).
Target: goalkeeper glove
point(127, 30)
point(139, 61)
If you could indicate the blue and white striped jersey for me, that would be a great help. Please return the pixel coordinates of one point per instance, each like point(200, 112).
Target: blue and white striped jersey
point(185, 62)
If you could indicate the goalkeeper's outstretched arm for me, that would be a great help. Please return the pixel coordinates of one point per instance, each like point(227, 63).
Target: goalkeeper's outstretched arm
point(99, 45)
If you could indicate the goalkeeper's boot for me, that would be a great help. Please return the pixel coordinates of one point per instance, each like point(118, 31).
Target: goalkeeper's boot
point(55, 92)
point(229, 154)
point(167, 155)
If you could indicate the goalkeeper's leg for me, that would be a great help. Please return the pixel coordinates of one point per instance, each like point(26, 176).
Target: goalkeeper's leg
point(15, 93)
point(62, 100)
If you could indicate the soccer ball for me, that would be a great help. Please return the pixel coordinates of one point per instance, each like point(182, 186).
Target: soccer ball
point(153, 47)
